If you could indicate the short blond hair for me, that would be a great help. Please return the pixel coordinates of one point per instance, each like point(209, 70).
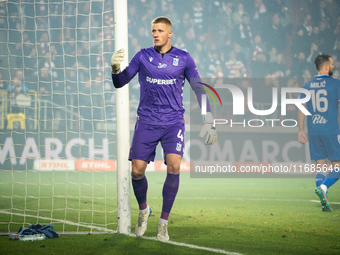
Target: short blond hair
point(162, 19)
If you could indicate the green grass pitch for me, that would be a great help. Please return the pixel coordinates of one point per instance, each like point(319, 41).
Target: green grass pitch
point(247, 216)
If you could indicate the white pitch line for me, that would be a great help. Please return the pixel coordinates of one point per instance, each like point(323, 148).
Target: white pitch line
point(61, 221)
point(192, 246)
point(132, 235)
point(252, 199)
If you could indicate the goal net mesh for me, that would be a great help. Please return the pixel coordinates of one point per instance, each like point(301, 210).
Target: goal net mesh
point(57, 109)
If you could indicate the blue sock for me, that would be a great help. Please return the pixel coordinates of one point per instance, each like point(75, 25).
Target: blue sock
point(332, 177)
point(319, 178)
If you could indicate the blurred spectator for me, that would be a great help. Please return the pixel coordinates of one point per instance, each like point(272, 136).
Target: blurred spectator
point(44, 44)
point(257, 46)
point(188, 31)
point(15, 89)
point(3, 83)
point(234, 65)
point(70, 52)
point(133, 20)
point(285, 19)
point(218, 71)
point(299, 43)
point(306, 74)
point(314, 51)
point(320, 14)
point(87, 27)
point(20, 75)
point(213, 57)
point(336, 74)
point(259, 16)
point(143, 36)
point(83, 54)
point(307, 25)
point(239, 53)
point(135, 46)
point(27, 47)
point(225, 19)
point(336, 61)
point(298, 64)
point(238, 15)
point(259, 67)
point(101, 64)
point(326, 37)
point(242, 34)
point(71, 81)
point(174, 17)
point(180, 44)
point(337, 49)
point(275, 36)
point(316, 38)
point(3, 13)
point(279, 67)
point(146, 20)
point(45, 81)
point(31, 64)
point(198, 15)
point(272, 55)
point(50, 65)
point(82, 72)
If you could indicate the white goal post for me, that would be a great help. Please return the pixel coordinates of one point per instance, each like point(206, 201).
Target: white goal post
point(64, 141)
point(123, 124)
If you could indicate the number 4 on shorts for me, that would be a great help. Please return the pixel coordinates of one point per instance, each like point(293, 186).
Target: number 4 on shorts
point(180, 135)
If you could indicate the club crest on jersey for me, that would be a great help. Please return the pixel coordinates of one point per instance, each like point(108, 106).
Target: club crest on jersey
point(150, 58)
point(178, 147)
point(175, 61)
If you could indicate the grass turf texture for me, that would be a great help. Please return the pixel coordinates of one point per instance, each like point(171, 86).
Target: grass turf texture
point(250, 216)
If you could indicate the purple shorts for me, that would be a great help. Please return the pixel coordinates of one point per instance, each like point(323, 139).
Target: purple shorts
point(146, 138)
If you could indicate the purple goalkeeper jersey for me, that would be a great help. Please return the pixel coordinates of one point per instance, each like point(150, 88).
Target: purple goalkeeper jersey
point(161, 82)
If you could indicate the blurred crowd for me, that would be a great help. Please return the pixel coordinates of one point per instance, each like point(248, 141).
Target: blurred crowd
point(62, 49)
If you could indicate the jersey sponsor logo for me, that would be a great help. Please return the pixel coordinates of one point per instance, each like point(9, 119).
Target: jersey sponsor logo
point(175, 61)
point(318, 119)
point(160, 81)
point(160, 65)
point(150, 58)
point(318, 85)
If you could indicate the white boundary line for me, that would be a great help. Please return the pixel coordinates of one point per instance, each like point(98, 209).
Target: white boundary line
point(251, 199)
point(132, 235)
point(194, 246)
point(61, 221)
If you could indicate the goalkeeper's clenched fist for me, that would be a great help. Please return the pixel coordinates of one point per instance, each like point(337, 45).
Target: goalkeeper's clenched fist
point(208, 129)
point(116, 59)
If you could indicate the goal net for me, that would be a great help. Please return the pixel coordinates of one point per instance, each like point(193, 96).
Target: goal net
point(57, 124)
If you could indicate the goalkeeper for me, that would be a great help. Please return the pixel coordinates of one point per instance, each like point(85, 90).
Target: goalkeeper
point(162, 70)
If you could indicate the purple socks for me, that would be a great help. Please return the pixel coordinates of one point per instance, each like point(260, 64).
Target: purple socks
point(140, 187)
point(170, 189)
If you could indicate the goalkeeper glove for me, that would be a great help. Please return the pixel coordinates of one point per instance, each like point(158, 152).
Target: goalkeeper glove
point(116, 59)
point(208, 129)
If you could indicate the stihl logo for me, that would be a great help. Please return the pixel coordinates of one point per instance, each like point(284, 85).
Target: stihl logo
point(54, 165)
point(95, 165)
